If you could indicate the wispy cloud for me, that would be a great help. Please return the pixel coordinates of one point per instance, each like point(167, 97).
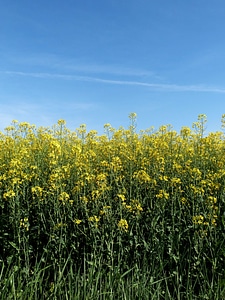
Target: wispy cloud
point(58, 64)
point(155, 86)
point(108, 69)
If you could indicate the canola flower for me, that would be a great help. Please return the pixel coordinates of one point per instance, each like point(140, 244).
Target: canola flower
point(125, 199)
point(77, 221)
point(94, 179)
point(24, 223)
point(123, 225)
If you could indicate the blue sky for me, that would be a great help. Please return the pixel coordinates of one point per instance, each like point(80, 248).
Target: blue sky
point(94, 62)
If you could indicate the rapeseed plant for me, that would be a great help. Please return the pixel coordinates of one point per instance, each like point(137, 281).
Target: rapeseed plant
point(123, 225)
point(152, 200)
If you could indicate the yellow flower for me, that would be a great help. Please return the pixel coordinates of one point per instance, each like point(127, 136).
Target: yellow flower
point(77, 221)
point(104, 210)
point(94, 220)
point(9, 194)
point(162, 194)
point(136, 206)
point(24, 223)
point(95, 194)
point(185, 131)
point(213, 221)
point(175, 181)
point(61, 122)
point(163, 178)
point(64, 197)
point(128, 207)
point(37, 190)
point(121, 197)
point(183, 200)
point(84, 199)
point(198, 219)
point(142, 176)
point(123, 225)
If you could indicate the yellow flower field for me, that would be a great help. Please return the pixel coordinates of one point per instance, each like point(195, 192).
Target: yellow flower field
point(153, 199)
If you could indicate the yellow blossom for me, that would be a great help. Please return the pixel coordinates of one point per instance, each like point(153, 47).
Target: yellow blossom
point(9, 194)
point(123, 225)
point(77, 221)
point(24, 223)
point(198, 219)
point(121, 197)
point(163, 194)
point(94, 220)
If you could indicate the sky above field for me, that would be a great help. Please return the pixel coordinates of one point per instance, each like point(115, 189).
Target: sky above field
point(95, 62)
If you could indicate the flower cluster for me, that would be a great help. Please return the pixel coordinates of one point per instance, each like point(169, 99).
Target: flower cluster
point(113, 178)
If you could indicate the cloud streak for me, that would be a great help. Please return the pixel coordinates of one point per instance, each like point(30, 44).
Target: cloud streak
point(58, 64)
point(155, 86)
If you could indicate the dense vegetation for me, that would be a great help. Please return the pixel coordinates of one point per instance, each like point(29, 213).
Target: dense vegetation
point(123, 215)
